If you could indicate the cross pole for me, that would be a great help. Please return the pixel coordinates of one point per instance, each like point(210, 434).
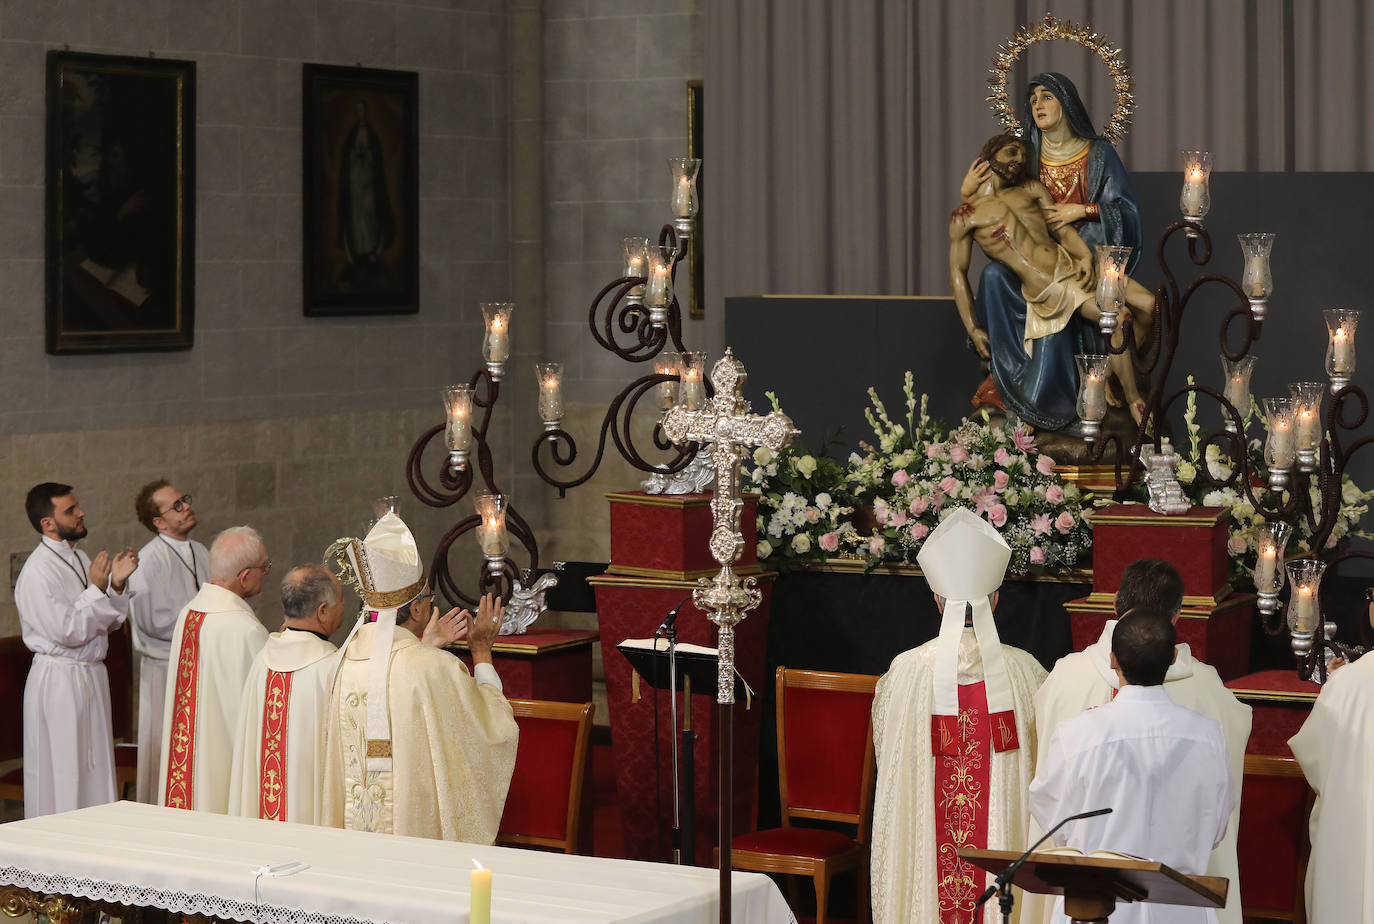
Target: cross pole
point(726, 431)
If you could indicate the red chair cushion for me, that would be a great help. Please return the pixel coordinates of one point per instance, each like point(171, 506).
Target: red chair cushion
point(14, 674)
point(14, 778)
point(126, 755)
point(1271, 830)
point(826, 731)
point(795, 842)
point(537, 804)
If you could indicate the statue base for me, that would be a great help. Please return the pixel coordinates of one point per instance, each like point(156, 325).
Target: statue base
point(1066, 448)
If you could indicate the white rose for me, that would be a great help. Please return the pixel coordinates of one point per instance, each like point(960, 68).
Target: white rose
point(823, 500)
point(806, 466)
point(801, 544)
point(765, 548)
point(763, 455)
point(1215, 499)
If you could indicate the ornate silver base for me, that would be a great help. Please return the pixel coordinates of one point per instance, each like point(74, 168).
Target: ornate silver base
point(526, 604)
point(1107, 323)
point(1338, 382)
point(1268, 602)
point(684, 228)
point(457, 459)
point(696, 478)
point(1278, 479)
point(551, 425)
point(636, 296)
point(1192, 232)
point(1307, 460)
point(1091, 430)
point(1258, 308)
point(658, 315)
point(496, 369)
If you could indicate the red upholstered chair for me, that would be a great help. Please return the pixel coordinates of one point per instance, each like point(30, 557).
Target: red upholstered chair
point(119, 665)
point(826, 772)
point(544, 805)
point(14, 671)
point(1275, 803)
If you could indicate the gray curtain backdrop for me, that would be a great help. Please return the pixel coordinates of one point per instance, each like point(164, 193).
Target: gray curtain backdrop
point(837, 133)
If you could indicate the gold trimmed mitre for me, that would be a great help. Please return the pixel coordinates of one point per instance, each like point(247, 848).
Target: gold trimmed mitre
point(387, 564)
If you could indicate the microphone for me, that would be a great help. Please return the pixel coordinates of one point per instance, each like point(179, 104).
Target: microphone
point(670, 620)
point(1010, 872)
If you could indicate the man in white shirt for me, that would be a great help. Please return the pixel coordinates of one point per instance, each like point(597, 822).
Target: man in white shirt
point(172, 568)
point(1085, 679)
point(278, 770)
point(1162, 769)
point(68, 605)
point(216, 639)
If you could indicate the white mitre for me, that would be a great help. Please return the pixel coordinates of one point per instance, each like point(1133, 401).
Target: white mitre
point(964, 560)
point(387, 565)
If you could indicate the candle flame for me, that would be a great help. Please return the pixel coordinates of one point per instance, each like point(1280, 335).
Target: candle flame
point(1195, 175)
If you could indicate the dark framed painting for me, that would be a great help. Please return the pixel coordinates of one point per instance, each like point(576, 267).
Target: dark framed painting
point(696, 308)
point(362, 169)
point(121, 212)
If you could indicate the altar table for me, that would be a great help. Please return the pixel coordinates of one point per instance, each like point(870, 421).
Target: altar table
point(194, 862)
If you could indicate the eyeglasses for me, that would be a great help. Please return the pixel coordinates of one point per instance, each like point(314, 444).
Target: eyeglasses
point(180, 504)
point(266, 569)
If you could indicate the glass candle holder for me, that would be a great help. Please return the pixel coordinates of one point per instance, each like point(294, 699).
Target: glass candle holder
point(1271, 540)
point(636, 250)
point(693, 392)
point(1092, 393)
point(1304, 603)
point(684, 200)
point(491, 528)
point(1196, 198)
point(1307, 416)
point(659, 290)
point(1281, 447)
point(381, 506)
point(1257, 282)
point(668, 363)
point(1340, 347)
point(458, 423)
point(1111, 284)
point(550, 379)
point(496, 341)
point(1236, 386)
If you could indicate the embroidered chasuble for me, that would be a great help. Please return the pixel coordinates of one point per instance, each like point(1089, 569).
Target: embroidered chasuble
point(928, 804)
point(278, 767)
point(217, 637)
point(452, 746)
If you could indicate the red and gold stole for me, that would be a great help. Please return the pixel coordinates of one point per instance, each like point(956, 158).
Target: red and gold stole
point(963, 776)
point(181, 749)
point(272, 769)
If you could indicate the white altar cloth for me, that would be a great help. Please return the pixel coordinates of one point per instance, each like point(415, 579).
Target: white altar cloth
point(151, 856)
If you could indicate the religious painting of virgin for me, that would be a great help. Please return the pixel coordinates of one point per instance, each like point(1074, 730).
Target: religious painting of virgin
point(121, 203)
point(362, 166)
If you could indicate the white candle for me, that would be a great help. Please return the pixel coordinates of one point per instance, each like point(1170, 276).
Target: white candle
point(550, 399)
point(1237, 393)
point(1264, 568)
point(659, 279)
point(1284, 448)
point(693, 394)
point(1342, 351)
point(1254, 272)
point(1094, 398)
point(493, 537)
point(1309, 429)
point(459, 435)
point(479, 895)
point(1304, 609)
point(498, 341)
point(682, 198)
point(1192, 193)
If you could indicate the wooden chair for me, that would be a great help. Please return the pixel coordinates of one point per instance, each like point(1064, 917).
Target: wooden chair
point(15, 660)
point(825, 772)
point(544, 805)
point(1275, 804)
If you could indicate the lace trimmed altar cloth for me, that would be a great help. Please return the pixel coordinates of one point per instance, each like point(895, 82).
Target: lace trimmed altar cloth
point(194, 862)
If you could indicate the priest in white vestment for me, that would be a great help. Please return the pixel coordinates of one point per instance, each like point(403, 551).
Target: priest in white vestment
point(1335, 748)
point(1162, 769)
point(415, 744)
point(1085, 679)
point(278, 769)
point(172, 568)
point(954, 731)
point(68, 605)
point(217, 637)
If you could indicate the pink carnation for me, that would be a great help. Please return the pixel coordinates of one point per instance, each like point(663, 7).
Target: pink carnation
point(1001, 456)
point(958, 454)
point(919, 531)
point(919, 505)
point(898, 519)
point(949, 484)
point(1054, 494)
point(1023, 440)
point(997, 515)
point(875, 545)
point(828, 542)
point(1064, 522)
point(1041, 524)
point(935, 450)
point(900, 477)
point(1037, 555)
point(1000, 479)
point(1044, 465)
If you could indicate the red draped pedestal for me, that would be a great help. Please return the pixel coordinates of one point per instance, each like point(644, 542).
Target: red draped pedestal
point(550, 664)
point(963, 777)
point(658, 548)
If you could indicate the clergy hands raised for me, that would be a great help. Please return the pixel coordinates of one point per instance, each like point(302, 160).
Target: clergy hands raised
point(444, 630)
point(485, 626)
point(113, 574)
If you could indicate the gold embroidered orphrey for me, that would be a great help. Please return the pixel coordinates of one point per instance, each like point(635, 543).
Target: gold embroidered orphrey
point(726, 431)
point(1048, 30)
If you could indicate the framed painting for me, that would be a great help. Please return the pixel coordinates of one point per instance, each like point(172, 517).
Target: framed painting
point(120, 203)
point(696, 308)
point(361, 175)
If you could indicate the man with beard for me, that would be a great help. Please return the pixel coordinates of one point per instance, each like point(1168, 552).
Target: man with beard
point(1005, 217)
point(68, 605)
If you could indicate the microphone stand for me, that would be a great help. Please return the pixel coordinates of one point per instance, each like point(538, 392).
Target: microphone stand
point(669, 631)
point(1001, 886)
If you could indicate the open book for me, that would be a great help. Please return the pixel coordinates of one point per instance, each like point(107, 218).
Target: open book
point(649, 658)
point(1099, 854)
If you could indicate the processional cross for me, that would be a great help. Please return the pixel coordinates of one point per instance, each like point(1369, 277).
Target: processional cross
point(727, 432)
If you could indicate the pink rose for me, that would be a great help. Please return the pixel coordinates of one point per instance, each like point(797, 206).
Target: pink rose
point(1023, 440)
point(1001, 456)
point(1064, 522)
point(937, 502)
point(1044, 464)
point(1054, 494)
point(812, 514)
point(1041, 524)
point(1235, 545)
point(958, 454)
point(1037, 555)
point(875, 545)
point(1000, 479)
point(949, 484)
point(900, 477)
point(898, 519)
point(828, 542)
point(935, 450)
point(919, 531)
point(997, 515)
point(881, 513)
point(919, 505)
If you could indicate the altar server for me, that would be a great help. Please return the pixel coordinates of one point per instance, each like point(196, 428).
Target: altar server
point(68, 605)
point(278, 769)
point(172, 568)
point(954, 730)
point(217, 637)
point(1335, 748)
point(415, 745)
point(1085, 679)
point(1162, 769)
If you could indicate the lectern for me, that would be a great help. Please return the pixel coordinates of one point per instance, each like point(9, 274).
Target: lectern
point(1092, 885)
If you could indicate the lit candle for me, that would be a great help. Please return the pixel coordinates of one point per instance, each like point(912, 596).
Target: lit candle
point(1309, 429)
point(479, 896)
point(1254, 271)
point(1285, 448)
point(693, 393)
point(682, 198)
point(1094, 397)
point(1342, 351)
point(1304, 616)
point(493, 539)
point(1264, 567)
point(458, 408)
point(459, 430)
point(491, 524)
point(1237, 393)
point(550, 400)
point(1192, 192)
point(660, 277)
point(667, 363)
point(499, 345)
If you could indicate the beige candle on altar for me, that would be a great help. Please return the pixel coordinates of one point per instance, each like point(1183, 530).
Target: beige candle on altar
point(479, 895)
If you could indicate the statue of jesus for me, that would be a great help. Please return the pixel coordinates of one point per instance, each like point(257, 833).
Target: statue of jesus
point(1006, 215)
